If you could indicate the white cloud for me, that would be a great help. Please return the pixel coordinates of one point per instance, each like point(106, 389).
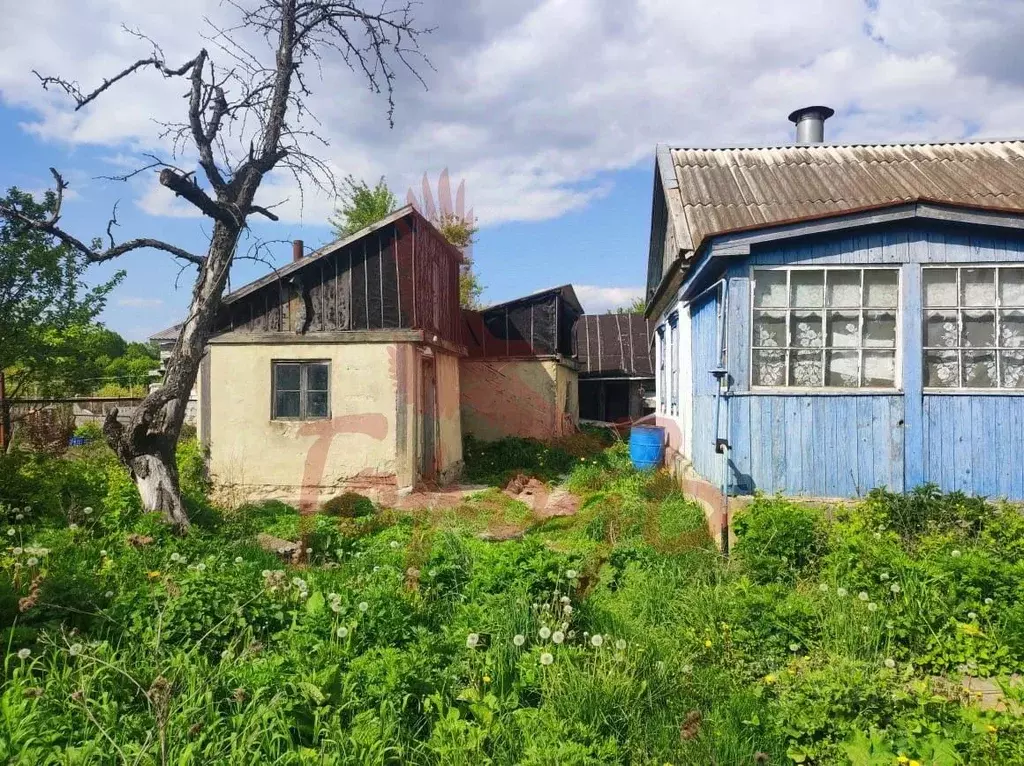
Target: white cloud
point(531, 101)
point(597, 300)
point(133, 302)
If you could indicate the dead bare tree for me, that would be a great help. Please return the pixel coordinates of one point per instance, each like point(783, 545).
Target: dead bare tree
point(245, 119)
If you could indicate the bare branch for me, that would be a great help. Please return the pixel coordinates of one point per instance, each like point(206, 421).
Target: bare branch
point(49, 226)
point(81, 99)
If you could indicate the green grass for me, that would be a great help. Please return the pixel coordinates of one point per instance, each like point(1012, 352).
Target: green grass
point(397, 644)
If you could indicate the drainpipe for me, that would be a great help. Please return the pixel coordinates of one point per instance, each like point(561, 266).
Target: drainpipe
point(721, 376)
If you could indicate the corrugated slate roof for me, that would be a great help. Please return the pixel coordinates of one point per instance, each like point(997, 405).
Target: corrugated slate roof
point(721, 190)
point(614, 345)
point(169, 333)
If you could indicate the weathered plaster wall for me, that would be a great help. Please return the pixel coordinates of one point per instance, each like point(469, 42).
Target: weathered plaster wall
point(305, 462)
point(531, 398)
point(449, 416)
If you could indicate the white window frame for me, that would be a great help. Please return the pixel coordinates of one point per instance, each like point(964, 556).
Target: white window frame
point(662, 384)
point(897, 386)
point(959, 308)
point(673, 367)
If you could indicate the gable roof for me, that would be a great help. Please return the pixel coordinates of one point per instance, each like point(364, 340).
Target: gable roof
point(291, 268)
point(614, 345)
point(565, 291)
point(721, 190)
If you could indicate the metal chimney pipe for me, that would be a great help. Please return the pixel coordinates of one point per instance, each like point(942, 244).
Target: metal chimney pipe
point(810, 123)
point(297, 250)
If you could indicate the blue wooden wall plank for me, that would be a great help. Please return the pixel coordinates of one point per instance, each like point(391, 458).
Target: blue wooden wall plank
point(912, 372)
point(738, 332)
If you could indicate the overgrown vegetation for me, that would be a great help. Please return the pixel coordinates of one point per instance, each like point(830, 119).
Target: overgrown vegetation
point(618, 635)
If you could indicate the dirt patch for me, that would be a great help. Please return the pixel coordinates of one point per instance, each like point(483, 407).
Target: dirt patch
point(543, 503)
point(434, 498)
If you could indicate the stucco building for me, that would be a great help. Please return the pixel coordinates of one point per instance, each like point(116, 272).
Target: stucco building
point(519, 377)
point(339, 371)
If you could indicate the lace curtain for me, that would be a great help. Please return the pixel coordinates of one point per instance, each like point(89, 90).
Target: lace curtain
point(825, 327)
point(974, 327)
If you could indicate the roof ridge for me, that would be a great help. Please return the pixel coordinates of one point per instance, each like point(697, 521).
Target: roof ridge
point(842, 145)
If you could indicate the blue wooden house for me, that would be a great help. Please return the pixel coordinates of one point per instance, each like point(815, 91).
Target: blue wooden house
point(833, 318)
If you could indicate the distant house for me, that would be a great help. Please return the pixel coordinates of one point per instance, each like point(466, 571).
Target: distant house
point(833, 318)
point(164, 342)
point(519, 377)
point(339, 371)
point(616, 366)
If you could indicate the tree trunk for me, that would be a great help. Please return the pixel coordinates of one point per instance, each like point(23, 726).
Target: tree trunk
point(146, 446)
point(156, 477)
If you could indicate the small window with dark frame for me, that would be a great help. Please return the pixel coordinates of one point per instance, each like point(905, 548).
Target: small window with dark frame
point(301, 390)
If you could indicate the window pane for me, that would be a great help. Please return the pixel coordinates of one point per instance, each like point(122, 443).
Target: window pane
point(770, 289)
point(843, 328)
point(807, 288)
point(770, 328)
point(1011, 329)
point(316, 404)
point(844, 288)
point(978, 287)
point(880, 288)
point(769, 368)
point(939, 287)
point(940, 329)
point(316, 377)
point(805, 328)
point(1012, 365)
point(880, 369)
point(1011, 287)
point(979, 329)
point(805, 368)
point(941, 369)
point(979, 369)
point(880, 329)
point(287, 377)
point(286, 404)
point(841, 368)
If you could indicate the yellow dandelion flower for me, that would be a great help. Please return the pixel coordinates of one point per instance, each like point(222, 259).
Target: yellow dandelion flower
point(991, 729)
point(770, 678)
point(487, 679)
point(902, 759)
point(914, 763)
point(707, 643)
point(153, 575)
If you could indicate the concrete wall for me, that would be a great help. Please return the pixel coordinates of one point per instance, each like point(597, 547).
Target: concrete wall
point(305, 462)
point(510, 397)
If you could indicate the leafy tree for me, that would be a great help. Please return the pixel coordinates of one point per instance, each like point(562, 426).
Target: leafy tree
point(461, 232)
point(46, 309)
point(638, 306)
point(362, 206)
point(246, 116)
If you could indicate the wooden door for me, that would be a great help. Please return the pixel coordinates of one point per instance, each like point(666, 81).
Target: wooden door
point(428, 421)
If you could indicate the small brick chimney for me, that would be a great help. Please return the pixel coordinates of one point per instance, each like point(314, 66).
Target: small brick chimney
point(297, 250)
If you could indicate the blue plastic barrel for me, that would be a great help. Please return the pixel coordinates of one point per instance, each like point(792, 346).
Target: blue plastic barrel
point(646, 446)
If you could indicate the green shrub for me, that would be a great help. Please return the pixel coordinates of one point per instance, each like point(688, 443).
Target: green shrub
point(349, 505)
point(90, 430)
point(778, 540)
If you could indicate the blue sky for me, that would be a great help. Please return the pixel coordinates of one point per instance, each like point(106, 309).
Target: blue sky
point(549, 109)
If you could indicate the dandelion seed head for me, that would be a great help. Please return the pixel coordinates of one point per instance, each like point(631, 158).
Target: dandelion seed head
point(989, 602)
point(972, 616)
point(519, 639)
point(863, 595)
point(687, 668)
point(557, 637)
point(20, 516)
point(823, 587)
point(24, 654)
point(342, 631)
point(18, 551)
point(955, 554)
point(239, 559)
point(794, 647)
point(564, 599)
point(32, 561)
point(363, 606)
point(395, 544)
point(884, 576)
point(103, 554)
point(547, 658)
point(842, 591)
point(890, 663)
point(620, 644)
point(567, 609)
point(10, 532)
point(571, 574)
point(75, 650)
point(472, 640)
point(596, 640)
point(544, 632)
point(109, 594)
point(872, 607)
